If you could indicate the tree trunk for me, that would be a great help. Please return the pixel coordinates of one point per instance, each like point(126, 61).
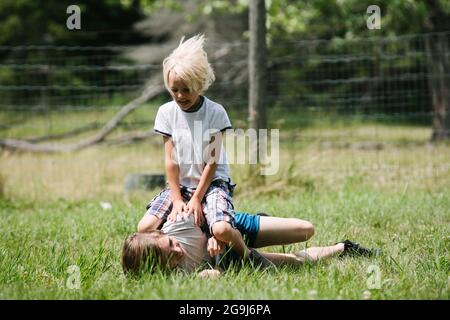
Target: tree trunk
point(438, 64)
point(257, 73)
point(257, 64)
point(149, 93)
point(439, 85)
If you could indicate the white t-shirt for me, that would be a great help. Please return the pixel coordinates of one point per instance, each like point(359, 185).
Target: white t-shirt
point(191, 134)
point(191, 239)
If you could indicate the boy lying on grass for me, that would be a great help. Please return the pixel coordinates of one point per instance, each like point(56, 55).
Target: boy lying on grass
point(185, 246)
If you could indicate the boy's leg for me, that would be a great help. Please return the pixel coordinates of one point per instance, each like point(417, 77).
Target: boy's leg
point(233, 237)
point(157, 211)
point(279, 231)
point(309, 255)
point(314, 254)
point(219, 213)
point(224, 232)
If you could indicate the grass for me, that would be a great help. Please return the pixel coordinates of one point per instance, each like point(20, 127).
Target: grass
point(41, 241)
point(394, 195)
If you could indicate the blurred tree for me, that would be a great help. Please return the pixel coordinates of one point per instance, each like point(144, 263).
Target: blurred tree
point(325, 19)
point(291, 20)
point(43, 23)
point(288, 23)
point(437, 47)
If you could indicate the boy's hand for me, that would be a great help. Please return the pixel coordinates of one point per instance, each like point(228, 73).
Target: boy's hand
point(195, 206)
point(215, 246)
point(178, 208)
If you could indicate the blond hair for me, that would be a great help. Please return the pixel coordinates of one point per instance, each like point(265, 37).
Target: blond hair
point(190, 63)
point(141, 252)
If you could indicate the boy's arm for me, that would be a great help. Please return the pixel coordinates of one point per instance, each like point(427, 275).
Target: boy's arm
point(211, 166)
point(206, 178)
point(194, 204)
point(149, 222)
point(173, 173)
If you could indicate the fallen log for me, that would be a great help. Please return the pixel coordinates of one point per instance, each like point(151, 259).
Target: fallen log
point(23, 145)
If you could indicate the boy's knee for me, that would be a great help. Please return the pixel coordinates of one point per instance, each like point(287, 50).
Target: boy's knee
point(222, 229)
point(309, 229)
point(305, 228)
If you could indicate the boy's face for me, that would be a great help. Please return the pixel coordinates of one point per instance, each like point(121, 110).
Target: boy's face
point(172, 250)
point(180, 92)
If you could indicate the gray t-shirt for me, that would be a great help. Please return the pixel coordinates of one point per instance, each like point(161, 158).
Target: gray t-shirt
point(191, 239)
point(191, 134)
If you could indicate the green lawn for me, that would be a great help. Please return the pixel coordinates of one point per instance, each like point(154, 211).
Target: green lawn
point(396, 197)
point(40, 242)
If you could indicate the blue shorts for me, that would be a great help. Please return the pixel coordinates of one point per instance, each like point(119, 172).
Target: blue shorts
point(248, 226)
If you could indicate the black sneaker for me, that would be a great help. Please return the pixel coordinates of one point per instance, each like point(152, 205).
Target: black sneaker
point(355, 249)
point(258, 260)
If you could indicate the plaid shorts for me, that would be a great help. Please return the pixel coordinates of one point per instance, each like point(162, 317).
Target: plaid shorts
point(217, 203)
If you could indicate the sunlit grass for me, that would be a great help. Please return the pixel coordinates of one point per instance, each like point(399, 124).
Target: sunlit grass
point(41, 241)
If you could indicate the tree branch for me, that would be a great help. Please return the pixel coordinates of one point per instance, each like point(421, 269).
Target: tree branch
point(24, 145)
